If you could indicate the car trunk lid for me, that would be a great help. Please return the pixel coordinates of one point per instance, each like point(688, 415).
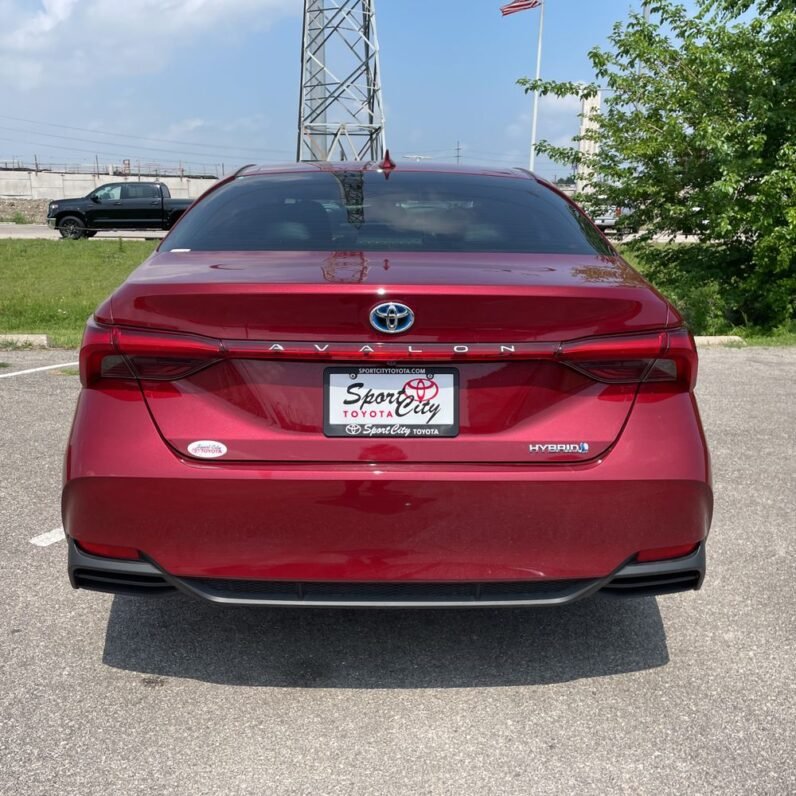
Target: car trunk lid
point(269, 331)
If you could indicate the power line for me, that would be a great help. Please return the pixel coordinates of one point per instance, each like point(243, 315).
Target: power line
point(117, 156)
point(122, 144)
point(138, 137)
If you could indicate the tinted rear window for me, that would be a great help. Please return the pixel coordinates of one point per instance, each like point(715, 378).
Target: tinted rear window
point(410, 211)
point(140, 191)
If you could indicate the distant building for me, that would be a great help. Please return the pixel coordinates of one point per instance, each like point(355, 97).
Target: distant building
point(588, 108)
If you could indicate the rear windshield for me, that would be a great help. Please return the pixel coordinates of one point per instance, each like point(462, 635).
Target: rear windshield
point(409, 212)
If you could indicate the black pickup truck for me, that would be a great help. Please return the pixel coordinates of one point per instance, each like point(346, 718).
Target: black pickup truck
point(118, 205)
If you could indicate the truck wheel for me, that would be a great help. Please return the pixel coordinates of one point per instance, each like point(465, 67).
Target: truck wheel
point(72, 228)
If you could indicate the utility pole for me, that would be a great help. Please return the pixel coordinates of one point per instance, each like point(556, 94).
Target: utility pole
point(535, 111)
point(458, 152)
point(340, 105)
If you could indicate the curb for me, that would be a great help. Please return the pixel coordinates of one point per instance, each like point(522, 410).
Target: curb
point(722, 339)
point(29, 340)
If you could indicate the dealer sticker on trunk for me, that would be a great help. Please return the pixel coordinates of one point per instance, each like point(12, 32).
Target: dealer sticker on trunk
point(391, 402)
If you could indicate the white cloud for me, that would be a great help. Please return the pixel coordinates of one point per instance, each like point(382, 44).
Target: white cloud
point(183, 128)
point(89, 40)
point(519, 127)
point(558, 120)
point(33, 30)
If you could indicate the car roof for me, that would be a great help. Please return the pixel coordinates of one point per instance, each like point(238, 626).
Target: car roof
point(363, 166)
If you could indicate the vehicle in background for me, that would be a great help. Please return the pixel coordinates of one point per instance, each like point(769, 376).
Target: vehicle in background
point(608, 219)
point(118, 205)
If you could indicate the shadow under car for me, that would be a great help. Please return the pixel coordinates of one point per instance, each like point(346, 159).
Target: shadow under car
point(176, 636)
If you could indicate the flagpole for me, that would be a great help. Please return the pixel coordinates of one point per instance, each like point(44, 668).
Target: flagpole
point(536, 92)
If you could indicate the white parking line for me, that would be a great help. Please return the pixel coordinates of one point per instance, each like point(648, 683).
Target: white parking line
point(51, 537)
point(36, 370)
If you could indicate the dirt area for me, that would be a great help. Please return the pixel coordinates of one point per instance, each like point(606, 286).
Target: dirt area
point(24, 211)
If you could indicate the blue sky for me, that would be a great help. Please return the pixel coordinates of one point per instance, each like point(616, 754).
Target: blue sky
point(217, 80)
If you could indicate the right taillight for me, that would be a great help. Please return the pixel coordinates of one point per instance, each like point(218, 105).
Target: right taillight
point(627, 359)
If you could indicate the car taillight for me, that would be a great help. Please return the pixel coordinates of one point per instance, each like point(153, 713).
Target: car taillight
point(96, 346)
point(118, 353)
point(627, 359)
point(112, 352)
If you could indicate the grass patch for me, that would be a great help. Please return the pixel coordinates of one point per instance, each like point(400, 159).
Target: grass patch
point(52, 287)
point(785, 335)
point(5, 364)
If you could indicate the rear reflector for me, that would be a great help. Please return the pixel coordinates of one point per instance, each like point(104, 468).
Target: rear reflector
point(109, 550)
point(665, 553)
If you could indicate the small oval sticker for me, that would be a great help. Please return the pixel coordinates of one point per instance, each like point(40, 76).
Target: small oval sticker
point(207, 449)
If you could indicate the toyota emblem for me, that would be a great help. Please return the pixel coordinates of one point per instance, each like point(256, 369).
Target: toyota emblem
point(391, 317)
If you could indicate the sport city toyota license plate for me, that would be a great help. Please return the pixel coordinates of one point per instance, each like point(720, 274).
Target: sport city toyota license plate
point(391, 402)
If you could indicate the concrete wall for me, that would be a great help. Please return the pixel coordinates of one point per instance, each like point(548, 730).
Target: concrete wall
point(59, 185)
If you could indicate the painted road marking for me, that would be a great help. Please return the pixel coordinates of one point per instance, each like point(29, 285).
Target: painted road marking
point(51, 537)
point(36, 370)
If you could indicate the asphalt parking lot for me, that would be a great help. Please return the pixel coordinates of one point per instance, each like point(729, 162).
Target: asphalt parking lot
point(687, 693)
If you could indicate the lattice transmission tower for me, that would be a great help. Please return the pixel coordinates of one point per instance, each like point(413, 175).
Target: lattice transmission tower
point(341, 116)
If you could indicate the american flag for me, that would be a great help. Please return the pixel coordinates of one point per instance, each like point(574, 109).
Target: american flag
point(519, 5)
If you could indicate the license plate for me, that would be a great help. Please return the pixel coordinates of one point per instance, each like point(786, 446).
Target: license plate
point(391, 402)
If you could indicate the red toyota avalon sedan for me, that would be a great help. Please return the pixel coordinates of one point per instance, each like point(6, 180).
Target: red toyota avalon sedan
point(362, 385)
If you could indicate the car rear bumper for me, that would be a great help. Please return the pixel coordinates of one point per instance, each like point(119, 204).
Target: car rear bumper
point(359, 523)
point(116, 576)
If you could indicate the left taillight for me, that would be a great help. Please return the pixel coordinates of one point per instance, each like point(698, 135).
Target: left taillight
point(97, 346)
point(110, 352)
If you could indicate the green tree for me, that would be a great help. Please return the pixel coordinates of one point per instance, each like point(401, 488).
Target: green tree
point(697, 135)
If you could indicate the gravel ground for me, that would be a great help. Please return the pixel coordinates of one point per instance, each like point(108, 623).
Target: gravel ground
point(687, 693)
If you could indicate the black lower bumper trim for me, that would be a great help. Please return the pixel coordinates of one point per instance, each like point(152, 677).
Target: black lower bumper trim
point(143, 577)
point(390, 594)
point(659, 577)
point(114, 575)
